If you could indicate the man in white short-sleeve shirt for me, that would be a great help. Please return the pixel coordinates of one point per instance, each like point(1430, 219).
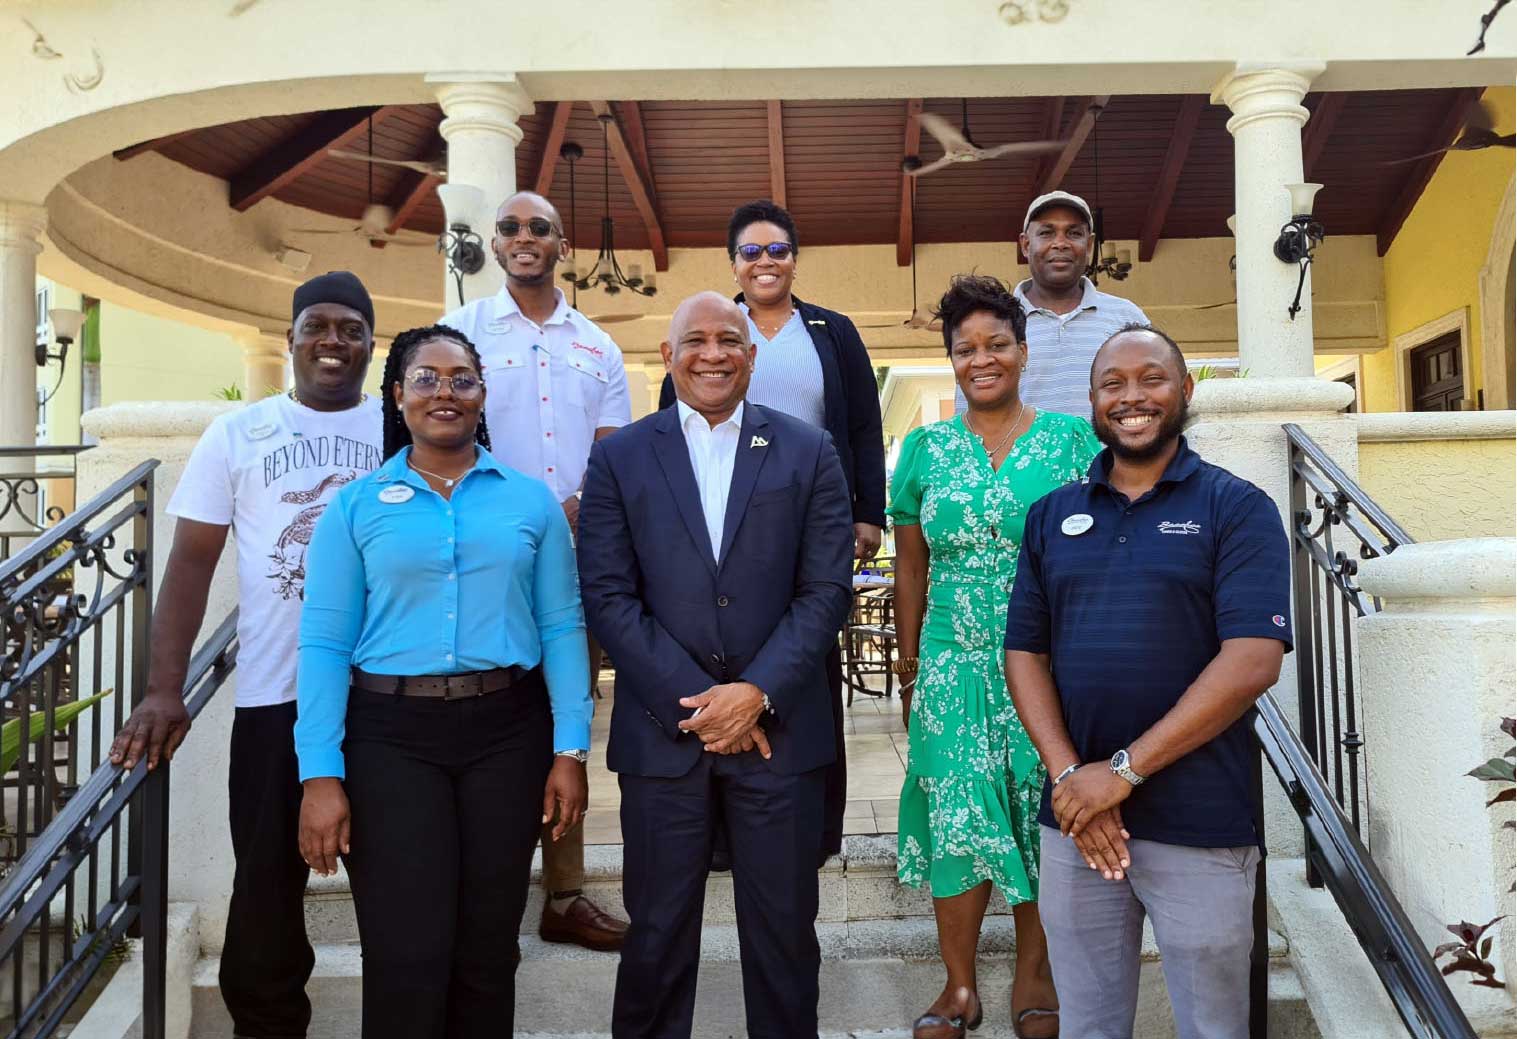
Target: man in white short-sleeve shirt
point(265, 471)
point(556, 384)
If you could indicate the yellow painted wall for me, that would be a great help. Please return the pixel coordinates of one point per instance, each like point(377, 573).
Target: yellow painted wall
point(1432, 267)
point(1442, 489)
point(142, 357)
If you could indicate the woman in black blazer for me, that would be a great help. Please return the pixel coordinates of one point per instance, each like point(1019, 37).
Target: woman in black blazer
point(813, 365)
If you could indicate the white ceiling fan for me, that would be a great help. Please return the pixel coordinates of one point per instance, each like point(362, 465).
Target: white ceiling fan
point(374, 224)
point(959, 145)
point(434, 168)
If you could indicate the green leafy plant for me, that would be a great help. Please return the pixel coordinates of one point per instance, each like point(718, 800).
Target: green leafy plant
point(229, 392)
point(63, 715)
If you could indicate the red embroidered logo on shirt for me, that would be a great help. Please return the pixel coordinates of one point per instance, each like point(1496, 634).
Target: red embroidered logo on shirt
point(593, 351)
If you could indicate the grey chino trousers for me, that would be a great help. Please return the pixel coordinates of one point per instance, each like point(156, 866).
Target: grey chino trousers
point(1201, 903)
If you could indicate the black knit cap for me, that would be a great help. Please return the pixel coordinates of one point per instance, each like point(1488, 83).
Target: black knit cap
point(334, 287)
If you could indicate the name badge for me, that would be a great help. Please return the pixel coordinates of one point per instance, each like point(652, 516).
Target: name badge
point(260, 432)
point(1077, 524)
point(396, 493)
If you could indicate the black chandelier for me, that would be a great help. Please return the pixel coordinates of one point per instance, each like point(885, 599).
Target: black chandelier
point(607, 270)
point(1105, 259)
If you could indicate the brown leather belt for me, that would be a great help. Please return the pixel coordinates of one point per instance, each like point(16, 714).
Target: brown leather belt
point(440, 687)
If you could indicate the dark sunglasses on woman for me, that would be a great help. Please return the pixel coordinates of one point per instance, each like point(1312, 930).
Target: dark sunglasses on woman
point(538, 227)
point(776, 250)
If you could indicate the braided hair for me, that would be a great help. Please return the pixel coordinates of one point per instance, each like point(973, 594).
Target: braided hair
point(396, 433)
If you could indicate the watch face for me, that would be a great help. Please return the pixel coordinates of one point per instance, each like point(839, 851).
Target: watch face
point(1119, 760)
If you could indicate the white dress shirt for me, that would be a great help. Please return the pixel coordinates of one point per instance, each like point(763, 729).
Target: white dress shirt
point(713, 451)
point(548, 387)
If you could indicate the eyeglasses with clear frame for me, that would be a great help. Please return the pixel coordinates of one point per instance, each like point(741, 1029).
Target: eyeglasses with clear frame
point(425, 382)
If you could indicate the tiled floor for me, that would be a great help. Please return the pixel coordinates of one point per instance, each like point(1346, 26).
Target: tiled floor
point(876, 742)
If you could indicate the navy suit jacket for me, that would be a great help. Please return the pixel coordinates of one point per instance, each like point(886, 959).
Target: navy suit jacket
point(675, 622)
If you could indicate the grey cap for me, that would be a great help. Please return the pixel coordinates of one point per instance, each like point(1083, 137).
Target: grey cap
point(1057, 198)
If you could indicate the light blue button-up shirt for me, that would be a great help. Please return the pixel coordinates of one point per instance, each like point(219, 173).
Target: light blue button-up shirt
point(412, 583)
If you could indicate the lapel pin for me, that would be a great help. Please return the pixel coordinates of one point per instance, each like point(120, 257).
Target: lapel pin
point(758, 441)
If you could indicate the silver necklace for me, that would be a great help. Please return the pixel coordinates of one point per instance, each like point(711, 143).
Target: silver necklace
point(992, 452)
point(769, 330)
point(436, 476)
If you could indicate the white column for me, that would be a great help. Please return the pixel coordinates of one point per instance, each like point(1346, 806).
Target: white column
point(480, 127)
point(21, 226)
point(1266, 128)
point(1436, 677)
point(265, 356)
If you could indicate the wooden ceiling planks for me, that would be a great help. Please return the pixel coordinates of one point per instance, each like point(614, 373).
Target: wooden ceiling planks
point(840, 166)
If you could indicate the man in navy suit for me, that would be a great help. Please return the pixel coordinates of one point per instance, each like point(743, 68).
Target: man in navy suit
point(715, 541)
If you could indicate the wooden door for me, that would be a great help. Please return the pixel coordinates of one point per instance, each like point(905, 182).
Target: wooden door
point(1438, 375)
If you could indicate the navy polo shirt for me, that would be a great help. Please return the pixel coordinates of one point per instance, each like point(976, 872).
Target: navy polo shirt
point(1131, 601)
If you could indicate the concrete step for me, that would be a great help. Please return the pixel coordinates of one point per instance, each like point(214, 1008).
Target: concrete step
point(564, 991)
point(860, 884)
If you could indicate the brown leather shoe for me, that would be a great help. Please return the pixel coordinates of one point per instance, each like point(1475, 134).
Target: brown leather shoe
point(583, 923)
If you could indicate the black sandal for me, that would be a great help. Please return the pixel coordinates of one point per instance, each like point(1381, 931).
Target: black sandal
point(936, 1026)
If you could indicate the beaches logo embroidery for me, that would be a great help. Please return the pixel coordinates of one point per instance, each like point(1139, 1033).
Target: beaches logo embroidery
point(1187, 527)
point(593, 351)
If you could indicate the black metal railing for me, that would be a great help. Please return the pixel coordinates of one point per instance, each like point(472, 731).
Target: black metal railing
point(1334, 525)
point(1343, 864)
point(81, 865)
point(74, 609)
point(32, 479)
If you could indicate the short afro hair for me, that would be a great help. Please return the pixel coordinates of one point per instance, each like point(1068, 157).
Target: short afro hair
point(970, 293)
point(760, 211)
point(1177, 355)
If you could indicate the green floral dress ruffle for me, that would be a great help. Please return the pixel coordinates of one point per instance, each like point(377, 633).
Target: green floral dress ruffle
point(969, 805)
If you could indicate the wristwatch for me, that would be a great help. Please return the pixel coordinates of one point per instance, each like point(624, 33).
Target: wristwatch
point(582, 756)
point(1121, 764)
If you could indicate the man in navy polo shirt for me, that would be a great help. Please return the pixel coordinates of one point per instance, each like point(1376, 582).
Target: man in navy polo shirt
point(1149, 612)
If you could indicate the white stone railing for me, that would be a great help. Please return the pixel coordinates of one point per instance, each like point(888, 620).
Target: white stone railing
point(1437, 675)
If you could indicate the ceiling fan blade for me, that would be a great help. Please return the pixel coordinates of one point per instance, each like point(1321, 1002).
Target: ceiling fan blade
point(615, 319)
point(323, 230)
point(409, 243)
point(1214, 306)
point(1414, 158)
point(931, 167)
point(1021, 148)
point(419, 165)
point(945, 132)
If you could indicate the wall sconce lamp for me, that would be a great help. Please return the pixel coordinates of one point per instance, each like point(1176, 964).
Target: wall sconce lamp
point(464, 248)
point(1300, 237)
point(66, 325)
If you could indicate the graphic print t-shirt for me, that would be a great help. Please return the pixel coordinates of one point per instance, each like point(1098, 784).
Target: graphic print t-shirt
point(269, 470)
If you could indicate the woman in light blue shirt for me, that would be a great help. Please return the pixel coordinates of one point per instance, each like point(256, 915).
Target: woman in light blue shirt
point(443, 698)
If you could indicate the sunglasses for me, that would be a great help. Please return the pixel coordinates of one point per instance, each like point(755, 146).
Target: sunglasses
point(425, 382)
point(539, 227)
point(776, 251)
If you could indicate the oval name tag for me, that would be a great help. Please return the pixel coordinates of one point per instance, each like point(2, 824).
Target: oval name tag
point(260, 432)
point(396, 493)
point(1077, 524)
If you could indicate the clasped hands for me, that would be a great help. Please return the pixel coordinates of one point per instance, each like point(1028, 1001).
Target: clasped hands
point(726, 718)
point(1085, 805)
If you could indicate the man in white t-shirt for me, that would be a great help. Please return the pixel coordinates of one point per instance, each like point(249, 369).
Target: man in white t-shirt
point(265, 472)
point(556, 385)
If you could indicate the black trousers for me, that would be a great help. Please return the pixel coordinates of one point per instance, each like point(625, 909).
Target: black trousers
point(773, 824)
point(446, 797)
point(266, 959)
point(836, 796)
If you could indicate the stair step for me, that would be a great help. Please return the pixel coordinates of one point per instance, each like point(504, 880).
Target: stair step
point(876, 977)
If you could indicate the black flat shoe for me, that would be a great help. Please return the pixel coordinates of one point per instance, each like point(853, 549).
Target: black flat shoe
point(936, 1026)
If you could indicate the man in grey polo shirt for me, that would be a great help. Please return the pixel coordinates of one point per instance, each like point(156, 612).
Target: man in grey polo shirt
point(1068, 318)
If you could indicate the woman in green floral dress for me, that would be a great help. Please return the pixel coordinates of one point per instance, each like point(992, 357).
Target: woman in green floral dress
point(959, 496)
